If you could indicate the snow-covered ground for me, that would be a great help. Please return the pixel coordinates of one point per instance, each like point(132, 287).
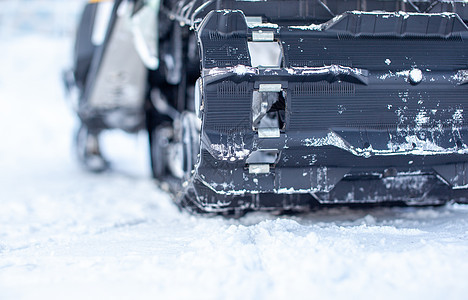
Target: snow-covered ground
point(68, 234)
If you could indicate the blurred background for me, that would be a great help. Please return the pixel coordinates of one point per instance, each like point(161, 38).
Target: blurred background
point(36, 46)
point(47, 17)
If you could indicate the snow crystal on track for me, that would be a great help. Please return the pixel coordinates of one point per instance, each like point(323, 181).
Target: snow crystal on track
point(67, 234)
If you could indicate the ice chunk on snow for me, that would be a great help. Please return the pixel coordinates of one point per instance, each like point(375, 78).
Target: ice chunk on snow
point(240, 70)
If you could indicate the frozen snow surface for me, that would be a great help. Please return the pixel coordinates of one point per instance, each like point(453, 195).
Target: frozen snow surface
point(68, 234)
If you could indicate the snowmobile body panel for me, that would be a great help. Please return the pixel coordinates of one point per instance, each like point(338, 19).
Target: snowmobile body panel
point(84, 47)
point(108, 72)
point(108, 82)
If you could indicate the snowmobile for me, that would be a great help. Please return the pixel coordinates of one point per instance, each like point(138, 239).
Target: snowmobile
point(283, 105)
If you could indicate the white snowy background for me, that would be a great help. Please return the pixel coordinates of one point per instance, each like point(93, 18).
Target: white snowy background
point(68, 234)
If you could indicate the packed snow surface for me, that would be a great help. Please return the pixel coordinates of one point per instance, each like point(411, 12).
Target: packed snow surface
point(68, 234)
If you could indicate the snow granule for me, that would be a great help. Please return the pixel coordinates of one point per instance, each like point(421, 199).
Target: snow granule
point(415, 76)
